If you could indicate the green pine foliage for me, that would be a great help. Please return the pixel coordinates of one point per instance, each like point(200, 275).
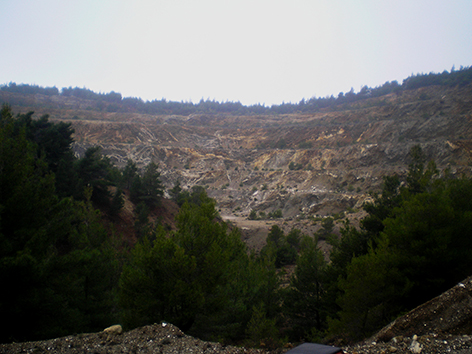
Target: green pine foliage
point(128, 174)
point(117, 203)
point(57, 263)
point(200, 278)
point(63, 273)
point(415, 244)
point(304, 301)
point(282, 248)
point(146, 188)
point(262, 331)
point(94, 170)
point(114, 102)
point(370, 290)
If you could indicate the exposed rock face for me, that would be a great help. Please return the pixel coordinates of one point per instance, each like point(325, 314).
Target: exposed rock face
point(304, 164)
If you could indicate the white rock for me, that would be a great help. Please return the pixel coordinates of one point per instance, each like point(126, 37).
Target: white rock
point(416, 347)
point(115, 329)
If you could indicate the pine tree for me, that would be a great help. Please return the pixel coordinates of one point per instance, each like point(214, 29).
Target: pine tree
point(56, 264)
point(305, 300)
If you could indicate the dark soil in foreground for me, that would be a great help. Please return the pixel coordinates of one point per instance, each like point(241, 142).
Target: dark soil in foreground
point(156, 338)
point(442, 325)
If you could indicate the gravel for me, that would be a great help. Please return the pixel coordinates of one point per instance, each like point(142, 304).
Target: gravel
point(427, 344)
point(157, 338)
point(440, 326)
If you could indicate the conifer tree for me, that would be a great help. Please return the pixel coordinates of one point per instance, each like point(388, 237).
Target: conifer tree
point(305, 300)
point(57, 266)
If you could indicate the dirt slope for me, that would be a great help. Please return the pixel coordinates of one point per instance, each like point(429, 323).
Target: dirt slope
point(442, 325)
point(315, 164)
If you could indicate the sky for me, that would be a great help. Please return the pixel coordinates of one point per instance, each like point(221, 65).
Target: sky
point(253, 51)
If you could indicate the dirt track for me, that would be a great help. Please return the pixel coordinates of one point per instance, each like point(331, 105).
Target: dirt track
point(254, 232)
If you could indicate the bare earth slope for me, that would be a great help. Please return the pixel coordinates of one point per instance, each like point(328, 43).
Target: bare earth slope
point(314, 164)
point(441, 325)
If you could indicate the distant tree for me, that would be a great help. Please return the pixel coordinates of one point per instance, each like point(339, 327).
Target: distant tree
point(305, 145)
point(117, 202)
point(94, 170)
point(281, 144)
point(252, 215)
point(419, 176)
point(294, 238)
point(327, 226)
point(295, 166)
point(276, 214)
point(197, 195)
point(277, 245)
point(175, 191)
point(29, 89)
point(148, 187)
point(152, 188)
point(382, 206)
point(276, 236)
point(112, 97)
point(141, 224)
point(135, 189)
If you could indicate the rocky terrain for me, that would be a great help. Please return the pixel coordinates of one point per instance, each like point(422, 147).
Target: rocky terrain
point(442, 325)
point(305, 164)
point(157, 338)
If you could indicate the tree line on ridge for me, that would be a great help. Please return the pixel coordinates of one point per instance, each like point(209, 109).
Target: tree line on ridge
point(114, 102)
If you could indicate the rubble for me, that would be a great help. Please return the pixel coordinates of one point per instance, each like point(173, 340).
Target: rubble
point(442, 325)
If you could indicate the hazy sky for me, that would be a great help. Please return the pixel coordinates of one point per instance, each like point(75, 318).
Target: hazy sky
point(249, 51)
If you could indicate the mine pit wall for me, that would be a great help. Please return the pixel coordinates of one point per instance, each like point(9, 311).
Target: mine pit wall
point(325, 181)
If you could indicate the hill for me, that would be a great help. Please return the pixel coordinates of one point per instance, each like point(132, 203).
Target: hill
point(306, 164)
point(280, 168)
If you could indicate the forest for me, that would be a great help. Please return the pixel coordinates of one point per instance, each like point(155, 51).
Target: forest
point(63, 272)
point(114, 102)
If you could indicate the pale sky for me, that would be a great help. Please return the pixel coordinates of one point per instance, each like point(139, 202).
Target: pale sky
point(230, 50)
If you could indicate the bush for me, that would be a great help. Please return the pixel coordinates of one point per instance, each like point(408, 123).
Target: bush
point(305, 145)
point(276, 214)
point(295, 166)
point(252, 215)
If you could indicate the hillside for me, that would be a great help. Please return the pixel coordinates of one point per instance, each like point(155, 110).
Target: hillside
point(305, 164)
point(269, 172)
